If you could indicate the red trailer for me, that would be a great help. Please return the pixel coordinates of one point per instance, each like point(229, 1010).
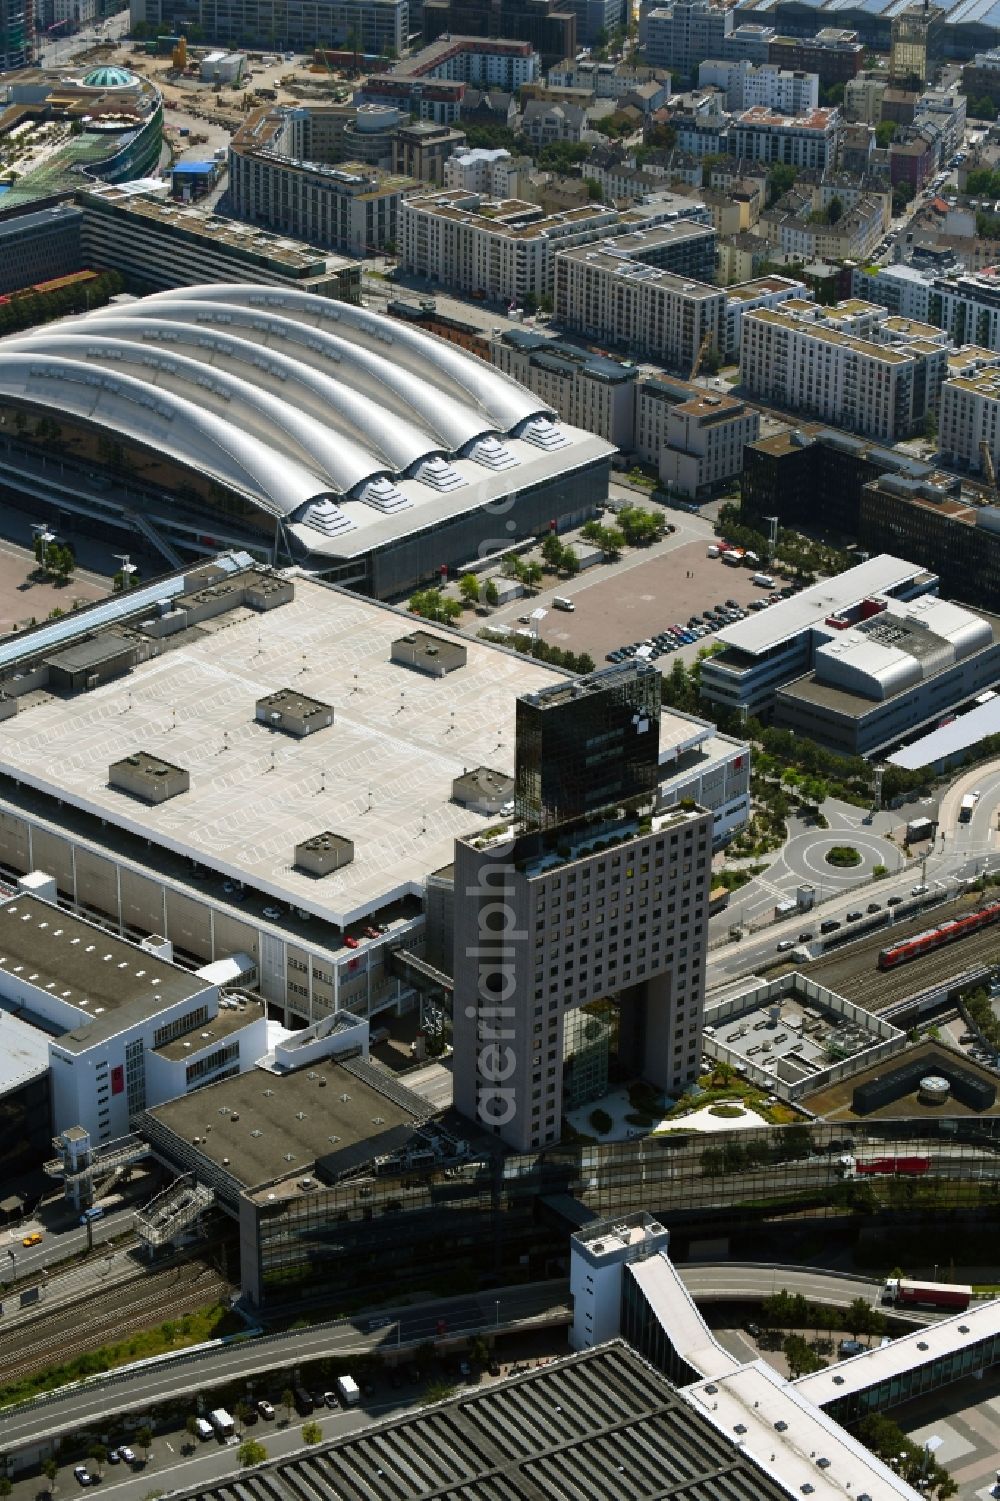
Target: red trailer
point(904, 1294)
point(906, 1165)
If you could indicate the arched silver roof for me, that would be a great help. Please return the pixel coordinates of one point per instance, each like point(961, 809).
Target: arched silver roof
point(289, 398)
point(435, 423)
point(501, 401)
point(125, 406)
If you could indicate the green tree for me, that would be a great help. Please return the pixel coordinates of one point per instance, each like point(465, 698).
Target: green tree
point(468, 587)
point(191, 1429)
point(252, 1452)
point(144, 1438)
point(834, 210)
point(491, 592)
point(884, 132)
point(552, 550)
point(287, 1402)
point(6, 1486)
point(801, 1358)
point(857, 1316)
point(532, 574)
point(241, 1412)
point(439, 1391)
point(780, 178)
point(50, 1469)
point(98, 1455)
point(312, 1433)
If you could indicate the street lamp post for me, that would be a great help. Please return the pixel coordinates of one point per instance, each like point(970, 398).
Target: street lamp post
point(127, 569)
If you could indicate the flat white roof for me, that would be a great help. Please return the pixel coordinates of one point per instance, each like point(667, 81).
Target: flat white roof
point(965, 731)
point(803, 1449)
point(24, 1052)
point(381, 774)
point(905, 1354)
point(677, 1314)
point(769, 628)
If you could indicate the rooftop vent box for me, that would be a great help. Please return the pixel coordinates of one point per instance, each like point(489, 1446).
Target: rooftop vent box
point(147, 777)
point(435, 655)
point(265, 591)
point(295, 713)
point(483, 790)
point(324, 853)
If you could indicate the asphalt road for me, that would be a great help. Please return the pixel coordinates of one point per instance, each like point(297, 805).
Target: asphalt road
point(506, 1309)
point(961, 851)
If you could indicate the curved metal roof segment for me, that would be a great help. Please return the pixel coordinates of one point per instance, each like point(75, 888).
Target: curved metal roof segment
point(126, 406)
point(278, 422)
point(502, 402)
point(420, 424)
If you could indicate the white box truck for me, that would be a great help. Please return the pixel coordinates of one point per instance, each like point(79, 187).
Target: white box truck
point(222, 1423)
point(348, 1391)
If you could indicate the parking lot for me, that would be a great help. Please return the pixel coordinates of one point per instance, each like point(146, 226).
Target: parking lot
point(638, 599)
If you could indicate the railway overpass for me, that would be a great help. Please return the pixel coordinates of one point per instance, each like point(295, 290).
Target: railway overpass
point(29, 1427)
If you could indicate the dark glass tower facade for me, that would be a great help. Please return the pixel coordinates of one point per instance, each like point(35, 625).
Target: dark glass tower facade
point(588, 745)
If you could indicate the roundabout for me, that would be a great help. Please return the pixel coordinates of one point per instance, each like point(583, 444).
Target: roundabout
point(807, 856)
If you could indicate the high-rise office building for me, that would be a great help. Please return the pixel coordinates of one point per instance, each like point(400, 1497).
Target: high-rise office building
point(580, 928)
point(586, 746)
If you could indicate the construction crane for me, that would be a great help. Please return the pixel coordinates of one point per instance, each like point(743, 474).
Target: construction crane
point(703, 348)
point(989, 469)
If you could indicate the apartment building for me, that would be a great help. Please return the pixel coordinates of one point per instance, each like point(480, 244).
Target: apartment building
point(748, 85)
point(594, 893)
point(607, 80)
point(36, 247)
point(746, 297)
point(800, 359)
point(800, 224)
point(493, 173)
point(809, 140)
point(679, 35)
point(970, 413)
point(684, 246)
point(595, 19)
point(156, 243)
point(351, 207)
point(375, 27)
point(705, 437)
point(423, 149)
point(504, 249)
point(487, 62)
point(863, 99)
point(543, 123)
point(833, 54)
point(587, 390)
point(648, 311)
point(751, 40)
point(968, 307)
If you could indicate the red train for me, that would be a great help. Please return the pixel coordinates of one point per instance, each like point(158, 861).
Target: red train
point(894, 1165)
point(936, 938)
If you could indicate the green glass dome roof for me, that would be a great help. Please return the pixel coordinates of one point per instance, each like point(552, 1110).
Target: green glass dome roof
point(110, 78)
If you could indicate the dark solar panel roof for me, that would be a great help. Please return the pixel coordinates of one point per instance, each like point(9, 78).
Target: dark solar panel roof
point(600, 1426)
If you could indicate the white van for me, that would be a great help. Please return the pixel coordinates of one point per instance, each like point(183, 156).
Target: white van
point(713, 551)
point(204, 1429)
point(562, 603)
point(763, 580)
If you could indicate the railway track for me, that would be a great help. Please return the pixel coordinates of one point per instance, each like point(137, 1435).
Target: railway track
point(854, 973)
point(108, 1318)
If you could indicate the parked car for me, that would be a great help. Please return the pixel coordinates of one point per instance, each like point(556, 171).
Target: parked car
point(349, 942)
point(83, 1475)
point(805, 938)
point(272, 913)
point(265, 1409)
point(34, 1239)
point(127, 1454)
point(784, 944)
point(874, 906)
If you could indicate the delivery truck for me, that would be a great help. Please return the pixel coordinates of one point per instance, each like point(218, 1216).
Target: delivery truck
point(905, 1294)
point(348, 1391)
